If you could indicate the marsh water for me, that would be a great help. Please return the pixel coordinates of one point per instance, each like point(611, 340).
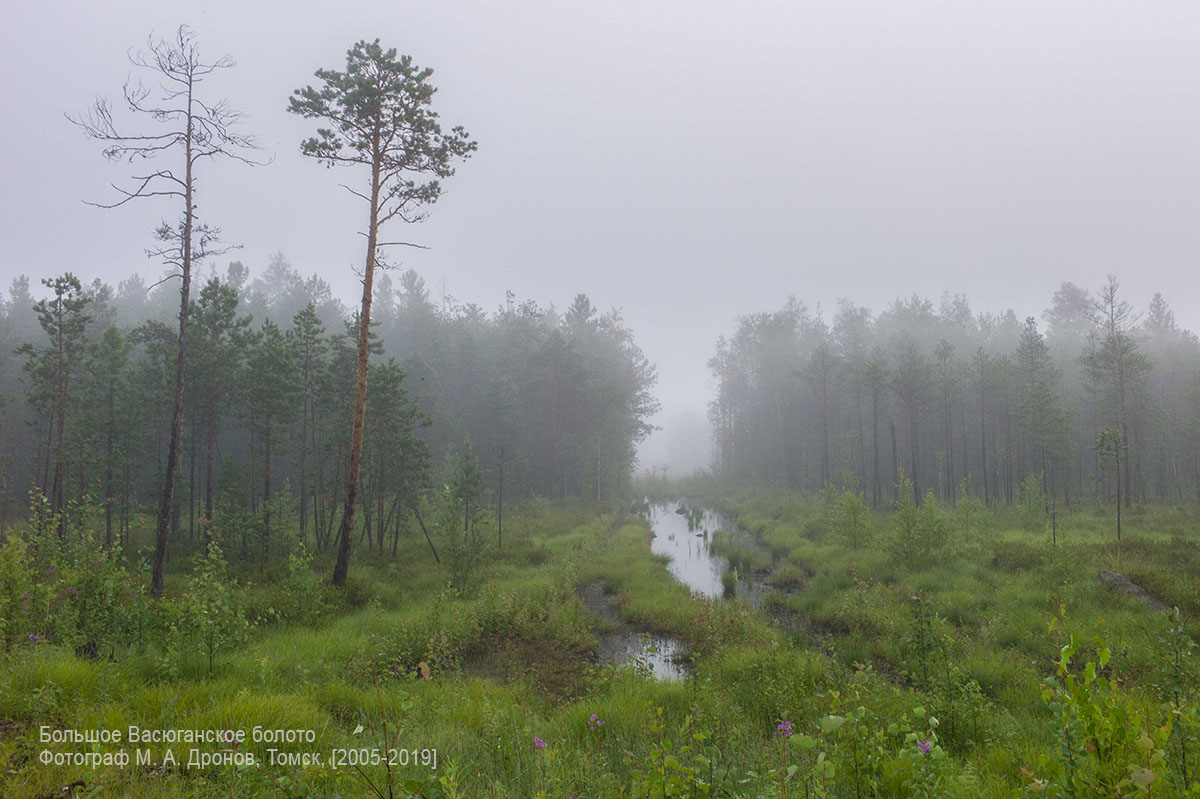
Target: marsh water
point(686, 539)
point(617, 644)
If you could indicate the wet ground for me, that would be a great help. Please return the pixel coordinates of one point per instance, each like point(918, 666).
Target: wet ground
point(663, 656)
point(685, 538)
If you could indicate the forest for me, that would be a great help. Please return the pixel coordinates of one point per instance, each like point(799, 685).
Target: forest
point(257, 540)
point(543, 402)
point(1092, 397)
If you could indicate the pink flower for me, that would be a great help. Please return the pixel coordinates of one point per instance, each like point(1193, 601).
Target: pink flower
point(924, 746)
point(538, 743)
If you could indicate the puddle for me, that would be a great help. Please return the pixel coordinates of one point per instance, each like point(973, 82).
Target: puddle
point(599, 603)
point(662, 655)
point(686, 539)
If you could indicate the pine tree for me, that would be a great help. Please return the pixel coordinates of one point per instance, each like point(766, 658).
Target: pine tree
point(1115, 363)
point(111, 417)
point(308, 342)
point(380, 117)
point(272, 396)
point(203, 129)
point(218, 335)
point(55, 372)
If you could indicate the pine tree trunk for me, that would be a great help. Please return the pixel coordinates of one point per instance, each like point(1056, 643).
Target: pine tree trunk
point(210, 436)
point(342, 567)
point(163, 528)
point(266, 545)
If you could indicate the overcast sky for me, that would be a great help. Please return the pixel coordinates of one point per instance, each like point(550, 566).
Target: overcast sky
point(686, 162)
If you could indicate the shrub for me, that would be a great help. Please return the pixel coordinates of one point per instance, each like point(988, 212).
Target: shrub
point(463, 542)
point(1108, 744)
point(107, 606)
point(921, 532)
point(306, 590)
point(852, 519)
point(729, 582)
point(210, 614)
point(1032, 504)
point(971, 516)
point(16, 585)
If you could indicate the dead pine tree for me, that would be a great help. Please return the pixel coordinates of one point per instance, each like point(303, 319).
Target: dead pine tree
point(187, 129)
point(379, 116)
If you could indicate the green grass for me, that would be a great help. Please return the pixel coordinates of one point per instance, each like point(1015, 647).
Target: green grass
point(477, 675)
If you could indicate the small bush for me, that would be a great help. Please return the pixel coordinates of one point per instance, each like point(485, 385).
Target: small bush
point(210, 613)
point(921, 533)
point(852, 519)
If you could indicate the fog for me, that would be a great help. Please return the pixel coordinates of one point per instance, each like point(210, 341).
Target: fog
point(687, 163)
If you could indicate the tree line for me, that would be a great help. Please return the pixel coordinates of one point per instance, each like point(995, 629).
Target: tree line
point(548, 403)
point(1096, 401)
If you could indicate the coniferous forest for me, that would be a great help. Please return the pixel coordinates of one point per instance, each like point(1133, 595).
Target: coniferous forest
point(548, 403)
point(259, 537)
point(962, 401)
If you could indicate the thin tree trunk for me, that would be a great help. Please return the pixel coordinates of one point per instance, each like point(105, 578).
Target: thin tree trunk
point(342, 567)
point(60, 420)
point(987, 499)
point(500, 505)
point(210, 435)
point(875, 446)
point(266, 546)
point(912, 432)
point(417, 512)
point(895, 466)
point(163, 529)
point(824, 421)
point(192, 484)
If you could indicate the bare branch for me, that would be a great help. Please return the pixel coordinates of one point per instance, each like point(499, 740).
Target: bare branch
point(164, 280)
point(358, 194)
point(401, 244)
point(140, 191)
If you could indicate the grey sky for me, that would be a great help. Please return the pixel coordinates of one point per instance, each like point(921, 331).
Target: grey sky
point(685, 161)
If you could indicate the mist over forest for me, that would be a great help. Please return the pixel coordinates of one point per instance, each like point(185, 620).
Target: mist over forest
point(565, 397)
point(670, 400)
point(551, 403)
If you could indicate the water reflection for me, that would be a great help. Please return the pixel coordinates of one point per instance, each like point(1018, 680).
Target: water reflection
point(687, 546)
point(662, 655)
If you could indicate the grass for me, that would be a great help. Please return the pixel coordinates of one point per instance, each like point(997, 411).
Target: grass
point(478, 675)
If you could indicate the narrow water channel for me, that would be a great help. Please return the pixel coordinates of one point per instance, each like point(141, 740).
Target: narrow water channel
point(686, 540)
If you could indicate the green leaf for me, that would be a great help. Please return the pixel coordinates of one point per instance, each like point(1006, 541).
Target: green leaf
point(1142, 778)
point(804, 742)
point(832, 723)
